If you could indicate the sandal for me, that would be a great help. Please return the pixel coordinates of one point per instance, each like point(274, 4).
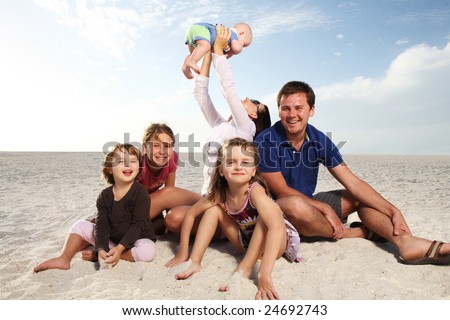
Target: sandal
point(431, 257)
point(372, 236)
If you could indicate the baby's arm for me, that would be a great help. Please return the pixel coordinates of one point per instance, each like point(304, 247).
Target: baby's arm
point(186, 228)
point(235, 48)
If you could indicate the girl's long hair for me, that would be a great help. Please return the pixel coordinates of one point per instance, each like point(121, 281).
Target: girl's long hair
point(218, 185)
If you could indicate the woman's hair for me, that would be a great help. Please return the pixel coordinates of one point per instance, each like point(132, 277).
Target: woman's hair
point(156, 129)
point(263, 120)
point(218, 184)
point(112, 159)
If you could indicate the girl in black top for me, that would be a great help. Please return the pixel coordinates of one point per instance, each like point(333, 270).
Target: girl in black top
point(123, 229)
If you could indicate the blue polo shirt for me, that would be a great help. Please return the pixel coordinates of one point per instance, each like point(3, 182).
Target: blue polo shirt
point(300, 168)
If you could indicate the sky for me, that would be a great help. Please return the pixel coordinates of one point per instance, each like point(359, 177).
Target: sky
point(80, 75)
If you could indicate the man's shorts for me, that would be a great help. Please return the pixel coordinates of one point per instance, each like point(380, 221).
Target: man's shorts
point(332, 198)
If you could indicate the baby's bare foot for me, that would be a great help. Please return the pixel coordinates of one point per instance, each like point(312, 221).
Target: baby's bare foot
point(187, 72)
point(193, 66)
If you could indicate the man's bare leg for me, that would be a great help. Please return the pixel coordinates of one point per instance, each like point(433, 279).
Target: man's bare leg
point(410, 247)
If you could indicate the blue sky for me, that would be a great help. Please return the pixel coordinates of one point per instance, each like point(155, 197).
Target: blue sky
point(77, 75)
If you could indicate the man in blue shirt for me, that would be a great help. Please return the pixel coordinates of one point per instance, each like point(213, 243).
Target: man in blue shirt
point(291, 152)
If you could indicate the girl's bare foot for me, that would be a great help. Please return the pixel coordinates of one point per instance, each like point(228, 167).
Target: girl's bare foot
point(89, 255)
point(234, 280)
point(55, 263)
point(193, 268)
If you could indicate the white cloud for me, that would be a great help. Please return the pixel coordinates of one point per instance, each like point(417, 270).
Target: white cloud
point(411, 99)
point(417, 65)
point(108, 28)
point(271, 21)
point(115, 27)
point(73, 86)
point(402, 41)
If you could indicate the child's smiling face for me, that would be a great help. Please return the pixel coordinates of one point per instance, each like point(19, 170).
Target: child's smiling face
point(159, 150)
point(238, 165)
point(125, 168)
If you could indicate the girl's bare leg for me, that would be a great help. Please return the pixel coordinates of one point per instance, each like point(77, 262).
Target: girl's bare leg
point(253, 253)
point(171, 197)
point(205, 233)
point(174, 219)
point(73, 244)
point(208, 225)
point(266, 289)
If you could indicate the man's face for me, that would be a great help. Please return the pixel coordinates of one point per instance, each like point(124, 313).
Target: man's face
point(294, 112)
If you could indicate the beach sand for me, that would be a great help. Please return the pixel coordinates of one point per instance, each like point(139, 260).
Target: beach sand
point(42, 194)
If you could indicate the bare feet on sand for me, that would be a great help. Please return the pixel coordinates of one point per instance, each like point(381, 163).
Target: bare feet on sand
point(266, 290)
point(192, 268)
point(89, 255)
point(55, 263)
point(236, 278)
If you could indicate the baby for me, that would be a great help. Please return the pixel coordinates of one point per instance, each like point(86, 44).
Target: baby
point(200, 38)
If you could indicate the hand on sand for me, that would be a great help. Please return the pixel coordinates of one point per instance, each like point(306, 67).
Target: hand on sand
point(179, 258)
point(266, 290)
point(102, 258)
point(113, 256)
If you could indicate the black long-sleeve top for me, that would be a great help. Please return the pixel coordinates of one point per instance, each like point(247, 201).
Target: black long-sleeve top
point(124, 221)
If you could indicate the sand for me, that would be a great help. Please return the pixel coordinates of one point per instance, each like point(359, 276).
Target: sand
point(42, 194)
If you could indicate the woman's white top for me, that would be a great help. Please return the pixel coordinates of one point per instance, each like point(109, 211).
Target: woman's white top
point(222, 129)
